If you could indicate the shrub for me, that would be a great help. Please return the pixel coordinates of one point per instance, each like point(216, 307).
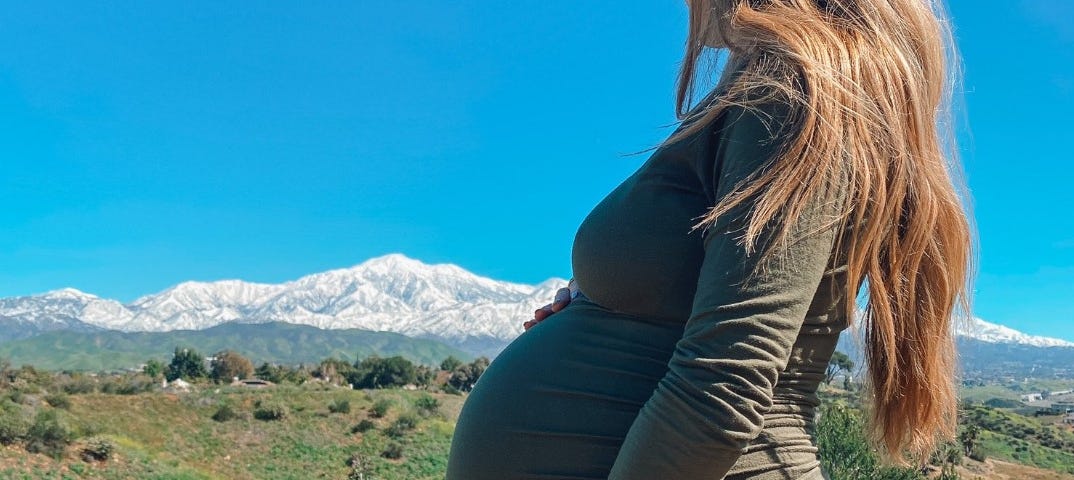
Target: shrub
point(380, 408)
point(78, 385)
point(449, 388)
point(97, 449)
point(58, 400)
point(270, 411)
point(393, 450)
point(16, 396)
point(340, 406)
point(845, 452)
point(427, 404)
point(405, 423)
point(47, 434)
point(225, 413)
point(128, 384)
point(363, 426)
point(13, 426)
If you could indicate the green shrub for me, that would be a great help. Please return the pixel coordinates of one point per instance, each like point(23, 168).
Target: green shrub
point(405, 423)
point(13, 426)
point(97, 449)
point(16, 396)
point(363, 426)
point(47, 434)
point(225, 413)
point(58, 400)
point(845, 453)
point(427, 404)
point(270, 411)
point(450, 389)
point(128, 385)
point(78, 385)
point(340, 406)
point(380, 408)
point(393, 450)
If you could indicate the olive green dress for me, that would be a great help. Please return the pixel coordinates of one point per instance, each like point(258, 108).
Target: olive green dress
point(670, 365)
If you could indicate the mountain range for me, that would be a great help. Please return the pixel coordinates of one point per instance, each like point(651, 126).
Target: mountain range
point(391, 293)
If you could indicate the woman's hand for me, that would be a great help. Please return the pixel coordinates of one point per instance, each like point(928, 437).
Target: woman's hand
point(562, 299)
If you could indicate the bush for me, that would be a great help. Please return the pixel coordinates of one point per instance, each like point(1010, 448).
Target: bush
point(16, 396)
point(449, 388)
point(58, 400)
point(845, 453)
point(128, 385)
point(405, 423)
point(47, 434)
point(78, 385)
point(427, 404)
point(363, 426)
point(394, 450)
point(13, 426)
point(270, 411)
point(225, 413)
point(340, 406)
point(97, 449)
point(380, 408)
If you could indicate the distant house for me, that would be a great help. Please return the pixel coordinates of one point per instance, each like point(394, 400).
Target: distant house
point(1032, 397)
point(252, 383)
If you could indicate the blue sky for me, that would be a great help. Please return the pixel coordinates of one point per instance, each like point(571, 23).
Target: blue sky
point(147, 143)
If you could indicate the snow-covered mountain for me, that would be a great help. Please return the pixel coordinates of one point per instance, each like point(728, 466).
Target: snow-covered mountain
point(389, 293)
point(993, 333)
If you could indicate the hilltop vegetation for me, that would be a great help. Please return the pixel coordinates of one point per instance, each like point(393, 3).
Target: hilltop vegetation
point(396, 425)
point(280, 343)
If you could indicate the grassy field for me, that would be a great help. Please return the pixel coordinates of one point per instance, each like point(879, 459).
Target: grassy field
point(313, 431)
point(168, 436)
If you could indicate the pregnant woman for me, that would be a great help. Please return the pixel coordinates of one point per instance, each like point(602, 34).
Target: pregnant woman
point(715, 280)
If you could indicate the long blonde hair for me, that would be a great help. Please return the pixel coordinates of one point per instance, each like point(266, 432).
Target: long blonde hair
point(869, 84)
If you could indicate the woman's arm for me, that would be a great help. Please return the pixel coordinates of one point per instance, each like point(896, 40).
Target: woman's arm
point(712, 401)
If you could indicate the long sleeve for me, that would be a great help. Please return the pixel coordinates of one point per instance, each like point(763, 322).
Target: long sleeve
point(711, 403)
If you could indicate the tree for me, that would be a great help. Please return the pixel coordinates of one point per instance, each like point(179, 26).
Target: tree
point(333, 370)
point(450, 364)
point(268, 372)
point(425, 375)
point(228, 365)
point(376, 372)
point(840, 362)
point(153, 368)
point(186, 364)
point(464, 377)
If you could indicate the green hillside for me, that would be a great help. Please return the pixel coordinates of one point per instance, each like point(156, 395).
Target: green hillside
point(175, 437)
point(267, 342)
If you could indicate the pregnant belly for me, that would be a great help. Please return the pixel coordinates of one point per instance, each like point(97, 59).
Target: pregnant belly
point(557, 402)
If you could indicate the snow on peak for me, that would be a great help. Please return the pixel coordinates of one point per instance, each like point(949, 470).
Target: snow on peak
point(388, 293)
point(994, 333)
point(69, 294)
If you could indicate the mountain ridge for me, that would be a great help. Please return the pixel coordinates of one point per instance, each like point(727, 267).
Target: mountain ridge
point(392, 293)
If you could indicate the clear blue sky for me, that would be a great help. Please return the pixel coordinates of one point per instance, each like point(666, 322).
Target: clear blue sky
point(147, 143)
